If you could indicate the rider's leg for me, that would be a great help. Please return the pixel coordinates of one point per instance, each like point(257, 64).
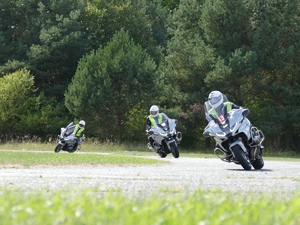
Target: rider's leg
point(76, 144)
point(150, 143)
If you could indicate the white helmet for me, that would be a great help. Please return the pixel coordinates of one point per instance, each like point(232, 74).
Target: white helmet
point(154, 110)
point(82, 123)
point(215, 99)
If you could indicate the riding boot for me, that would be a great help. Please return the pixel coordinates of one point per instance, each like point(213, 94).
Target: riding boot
point(150, 144)
point(75, 145)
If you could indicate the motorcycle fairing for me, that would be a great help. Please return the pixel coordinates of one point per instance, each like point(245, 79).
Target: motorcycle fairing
point(68, 130)
point(229, 126)
point(164, 132)
point(165, 129)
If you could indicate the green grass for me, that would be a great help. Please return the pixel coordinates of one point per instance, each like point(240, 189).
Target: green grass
point(93, 207)
point(118, 154)
point(85, 147)
point(35, 154)
point(26, 158)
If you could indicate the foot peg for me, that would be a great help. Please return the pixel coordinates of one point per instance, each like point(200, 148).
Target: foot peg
point(149, 146)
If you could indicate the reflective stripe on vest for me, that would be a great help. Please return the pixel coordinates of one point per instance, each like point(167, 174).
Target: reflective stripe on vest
point(152, 120)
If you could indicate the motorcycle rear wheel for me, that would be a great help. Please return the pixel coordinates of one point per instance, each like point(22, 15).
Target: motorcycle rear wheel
point(58, 148)
point(174, 150)
point(258, 163)
point(241, 157)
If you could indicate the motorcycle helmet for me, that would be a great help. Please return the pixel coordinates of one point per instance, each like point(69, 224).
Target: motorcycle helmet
point(82, 123)
point(154, 110)
point(215, 99)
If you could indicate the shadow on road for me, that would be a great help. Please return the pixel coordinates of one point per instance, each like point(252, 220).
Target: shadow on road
point(261, 170)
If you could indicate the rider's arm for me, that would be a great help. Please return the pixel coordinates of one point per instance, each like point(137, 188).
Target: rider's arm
point(234, 106)
point(165, 117)
point(245, 112)
point(148, 124)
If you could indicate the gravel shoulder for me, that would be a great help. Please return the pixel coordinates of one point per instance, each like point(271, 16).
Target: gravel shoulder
point(179, 175)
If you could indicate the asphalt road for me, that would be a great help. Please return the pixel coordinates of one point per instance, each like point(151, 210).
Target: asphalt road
point(179, 175)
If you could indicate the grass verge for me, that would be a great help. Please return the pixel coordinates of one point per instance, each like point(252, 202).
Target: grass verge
point(92, 207)
point(12, 158)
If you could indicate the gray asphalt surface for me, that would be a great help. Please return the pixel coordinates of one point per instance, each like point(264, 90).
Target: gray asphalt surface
point(179, 175)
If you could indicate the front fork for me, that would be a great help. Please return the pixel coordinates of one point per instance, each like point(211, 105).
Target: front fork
point(256, 152)
point(241, 144)
point(62, 143)
point(169, 142)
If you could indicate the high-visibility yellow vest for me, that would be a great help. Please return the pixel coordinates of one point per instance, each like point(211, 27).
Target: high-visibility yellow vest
point(213, 112)
point(77, 132)
point(152, 120)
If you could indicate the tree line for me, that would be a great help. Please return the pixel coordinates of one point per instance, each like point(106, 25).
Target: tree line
point(107, 62)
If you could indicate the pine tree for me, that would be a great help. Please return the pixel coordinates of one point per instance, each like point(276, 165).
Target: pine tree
point(110, 84)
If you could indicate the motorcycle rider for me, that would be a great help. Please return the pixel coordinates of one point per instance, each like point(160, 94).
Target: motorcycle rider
point(78, 131)
point(217, 101)
point(154, 118)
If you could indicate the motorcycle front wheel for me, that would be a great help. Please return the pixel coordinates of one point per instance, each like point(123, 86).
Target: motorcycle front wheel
point(240, 156)
point(58, 148)
point(258, 163)
point(174, 150)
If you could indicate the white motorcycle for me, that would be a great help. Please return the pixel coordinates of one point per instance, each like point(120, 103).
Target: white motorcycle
point(236, 139)
point(166, 138)
point(67, 140)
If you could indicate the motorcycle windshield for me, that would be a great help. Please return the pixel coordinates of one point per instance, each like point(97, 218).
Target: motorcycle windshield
point(165, 126)
point(69, 129)
point(221, 115)
point(235, 115)
point(225, 118)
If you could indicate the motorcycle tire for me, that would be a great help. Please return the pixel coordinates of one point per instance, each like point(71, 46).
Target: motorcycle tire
point(71, 151)
point(174, 150)
point(258, 163)
point(241, 157)
point(162, 155)
point(58, 148)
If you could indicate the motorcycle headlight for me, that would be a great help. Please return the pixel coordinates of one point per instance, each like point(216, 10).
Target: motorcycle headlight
point(163, 134)
point(221, 134)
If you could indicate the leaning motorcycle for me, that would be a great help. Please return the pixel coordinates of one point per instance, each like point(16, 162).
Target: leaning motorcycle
point(236, 139)
point(67, 140)
point(166, 138)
